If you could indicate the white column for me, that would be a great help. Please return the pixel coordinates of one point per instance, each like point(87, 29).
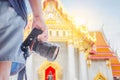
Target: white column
point(109, 71)
point(71, 62)
point(82, 67)
point(29, 67)
point(110, 76)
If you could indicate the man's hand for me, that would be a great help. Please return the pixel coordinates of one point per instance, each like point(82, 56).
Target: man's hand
point(39, 24)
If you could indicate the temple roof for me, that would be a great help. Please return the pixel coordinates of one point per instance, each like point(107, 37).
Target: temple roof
point(103, 51)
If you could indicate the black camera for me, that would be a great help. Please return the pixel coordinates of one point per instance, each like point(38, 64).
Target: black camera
point(46, 49)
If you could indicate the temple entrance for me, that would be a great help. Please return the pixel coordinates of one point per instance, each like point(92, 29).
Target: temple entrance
point(50, 71)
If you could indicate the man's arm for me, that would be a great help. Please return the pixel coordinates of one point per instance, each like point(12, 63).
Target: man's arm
point(36, 8)
point(38, 21)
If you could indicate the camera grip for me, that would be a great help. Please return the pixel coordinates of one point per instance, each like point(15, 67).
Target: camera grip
point(28, 41)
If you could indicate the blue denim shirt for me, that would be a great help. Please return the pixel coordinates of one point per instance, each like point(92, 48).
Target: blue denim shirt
point(20, 8)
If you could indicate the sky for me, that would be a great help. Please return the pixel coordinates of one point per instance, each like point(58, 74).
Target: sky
point(95, 12)
point(97, 15)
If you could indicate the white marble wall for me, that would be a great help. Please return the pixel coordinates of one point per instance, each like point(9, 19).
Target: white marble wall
point(29, 67)
point(83, 74)
point(71, 63)
point(99, 66)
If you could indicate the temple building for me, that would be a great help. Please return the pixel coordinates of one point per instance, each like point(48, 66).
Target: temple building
point(84, 55)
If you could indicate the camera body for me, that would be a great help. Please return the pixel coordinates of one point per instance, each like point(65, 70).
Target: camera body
point(45, 49)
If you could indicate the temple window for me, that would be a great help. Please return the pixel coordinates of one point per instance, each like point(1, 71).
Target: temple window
point(64, 33)
point(50, 33)
point(57, 33)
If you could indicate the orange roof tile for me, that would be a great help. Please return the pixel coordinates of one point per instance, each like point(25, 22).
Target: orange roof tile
point(102, 49)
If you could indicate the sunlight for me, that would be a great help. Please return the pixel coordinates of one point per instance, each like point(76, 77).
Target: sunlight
point(78, 21)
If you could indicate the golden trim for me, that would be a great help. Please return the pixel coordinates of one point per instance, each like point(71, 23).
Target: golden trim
point(108, 63)
point(100, 76)
point(89, 62)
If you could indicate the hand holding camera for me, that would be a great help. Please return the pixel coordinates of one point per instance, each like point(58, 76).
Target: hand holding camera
point(48, 50)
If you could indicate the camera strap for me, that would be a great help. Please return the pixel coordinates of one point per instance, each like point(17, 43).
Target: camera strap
point(22, 73)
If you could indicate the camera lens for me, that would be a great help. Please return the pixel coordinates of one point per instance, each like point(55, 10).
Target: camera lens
point(47, 50)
